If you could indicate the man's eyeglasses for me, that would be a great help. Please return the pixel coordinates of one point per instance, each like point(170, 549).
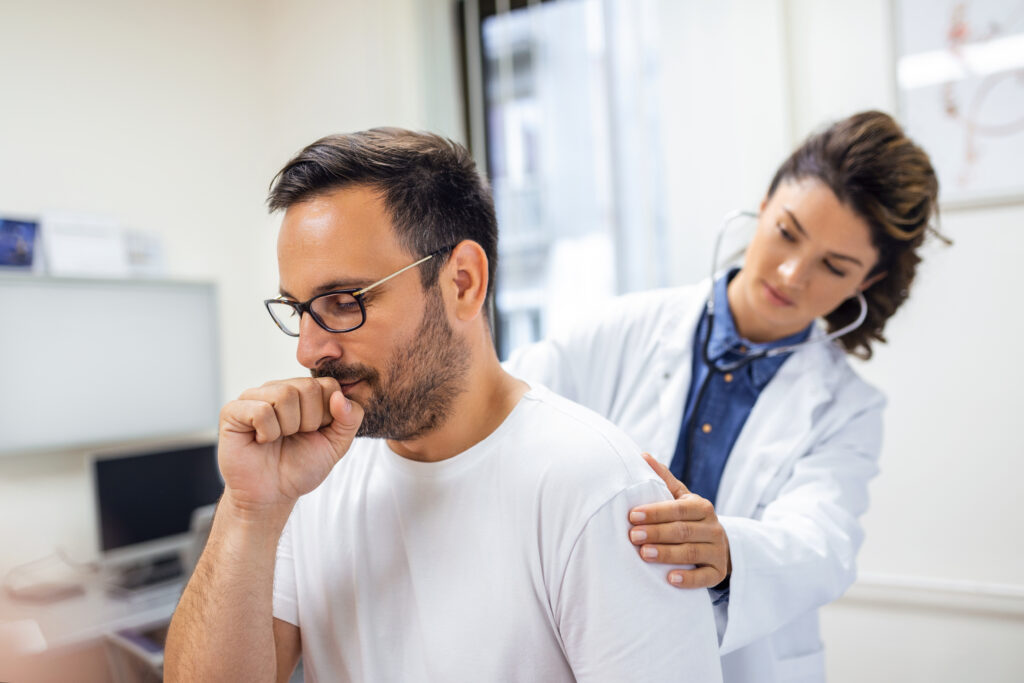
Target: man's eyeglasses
point(340, 310)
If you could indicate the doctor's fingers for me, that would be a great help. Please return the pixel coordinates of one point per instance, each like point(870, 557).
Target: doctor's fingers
point(701, 577)
point(687, 508)
point(698, 554)
point(678, 532)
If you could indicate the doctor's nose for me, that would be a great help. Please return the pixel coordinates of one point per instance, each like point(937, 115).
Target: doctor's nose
point(794, 272)
point(316, 343)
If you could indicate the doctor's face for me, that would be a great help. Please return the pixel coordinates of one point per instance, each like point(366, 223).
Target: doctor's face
point(809, 254)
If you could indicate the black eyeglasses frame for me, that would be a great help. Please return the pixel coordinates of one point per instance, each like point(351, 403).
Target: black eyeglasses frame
point(358, 293)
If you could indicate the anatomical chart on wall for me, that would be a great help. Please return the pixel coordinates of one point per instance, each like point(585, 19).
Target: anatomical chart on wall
point(960, 75)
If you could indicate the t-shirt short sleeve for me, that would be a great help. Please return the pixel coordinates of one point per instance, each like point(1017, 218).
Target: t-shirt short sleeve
point(286, 606)
point(620, 619)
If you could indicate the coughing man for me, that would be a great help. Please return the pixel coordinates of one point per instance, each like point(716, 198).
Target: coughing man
point(411, 512)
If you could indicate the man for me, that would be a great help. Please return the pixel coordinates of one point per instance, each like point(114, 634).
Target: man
point(478, 529)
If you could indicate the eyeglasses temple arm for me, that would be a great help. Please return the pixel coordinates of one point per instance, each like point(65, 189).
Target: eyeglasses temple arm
point(367, 288)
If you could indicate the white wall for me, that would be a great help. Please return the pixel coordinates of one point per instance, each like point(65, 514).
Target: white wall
point(173, 117)
point(724, 117)
point(142, 112)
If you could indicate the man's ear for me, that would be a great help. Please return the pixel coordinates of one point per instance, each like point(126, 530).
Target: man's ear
point(467, 276)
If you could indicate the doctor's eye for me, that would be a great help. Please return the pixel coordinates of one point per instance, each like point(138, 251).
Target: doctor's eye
point(833, 269)
point(786, 234)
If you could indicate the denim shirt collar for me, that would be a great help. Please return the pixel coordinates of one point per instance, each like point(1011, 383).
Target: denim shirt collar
point(726, 344)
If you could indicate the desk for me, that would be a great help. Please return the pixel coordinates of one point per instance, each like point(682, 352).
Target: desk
point(85, 618)
point(74, 628)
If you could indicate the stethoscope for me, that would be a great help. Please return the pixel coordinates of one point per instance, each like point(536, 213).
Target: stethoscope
point(714, 368)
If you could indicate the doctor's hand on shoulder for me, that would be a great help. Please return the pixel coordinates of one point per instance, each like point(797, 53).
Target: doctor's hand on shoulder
point(281, 440)
point(684, 530)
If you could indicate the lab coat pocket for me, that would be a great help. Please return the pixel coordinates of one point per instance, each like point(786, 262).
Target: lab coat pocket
point(808, 668)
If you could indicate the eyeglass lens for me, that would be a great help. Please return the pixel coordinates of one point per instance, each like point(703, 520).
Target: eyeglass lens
point(339, 312)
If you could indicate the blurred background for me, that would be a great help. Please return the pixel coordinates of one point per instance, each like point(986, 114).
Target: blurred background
point(138, 139)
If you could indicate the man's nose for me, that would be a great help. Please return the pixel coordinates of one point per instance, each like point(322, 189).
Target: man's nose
point(316, 343)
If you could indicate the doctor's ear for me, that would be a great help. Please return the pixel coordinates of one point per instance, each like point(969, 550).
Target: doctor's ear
point(877, 277)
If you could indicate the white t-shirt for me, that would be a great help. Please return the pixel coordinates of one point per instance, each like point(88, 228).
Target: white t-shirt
point(508, 562)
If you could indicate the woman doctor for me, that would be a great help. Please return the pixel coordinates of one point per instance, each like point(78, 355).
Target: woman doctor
point(735, 388)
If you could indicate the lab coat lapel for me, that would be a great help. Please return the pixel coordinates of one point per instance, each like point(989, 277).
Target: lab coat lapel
point(778, 426)
point(675, 366)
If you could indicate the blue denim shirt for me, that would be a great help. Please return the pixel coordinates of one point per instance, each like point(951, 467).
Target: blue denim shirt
point(728, 398)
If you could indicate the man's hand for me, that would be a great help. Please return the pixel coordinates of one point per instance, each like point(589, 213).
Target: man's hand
point(280, 441)
point(682, 531)
point(277, 442)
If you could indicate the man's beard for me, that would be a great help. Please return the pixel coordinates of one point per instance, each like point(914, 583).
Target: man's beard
point(414, 393)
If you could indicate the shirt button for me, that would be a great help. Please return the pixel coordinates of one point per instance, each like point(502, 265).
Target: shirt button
point(666, 375)
point(706, 428)
point(727, 377)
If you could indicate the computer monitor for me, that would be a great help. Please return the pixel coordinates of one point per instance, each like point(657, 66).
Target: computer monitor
point(145, 501)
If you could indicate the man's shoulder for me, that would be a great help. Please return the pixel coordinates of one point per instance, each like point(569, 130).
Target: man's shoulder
point(574, 445)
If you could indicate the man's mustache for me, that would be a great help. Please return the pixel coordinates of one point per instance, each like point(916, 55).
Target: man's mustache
point(344, 374)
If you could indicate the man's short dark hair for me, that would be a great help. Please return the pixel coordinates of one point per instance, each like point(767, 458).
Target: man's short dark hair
point(430, 185)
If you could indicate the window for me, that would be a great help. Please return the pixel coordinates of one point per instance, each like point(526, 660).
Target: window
point(567, 112)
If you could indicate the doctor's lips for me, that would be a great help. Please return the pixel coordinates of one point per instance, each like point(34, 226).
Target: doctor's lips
point(775, 296)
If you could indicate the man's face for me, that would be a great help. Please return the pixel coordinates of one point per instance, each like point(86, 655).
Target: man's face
point(405, 365)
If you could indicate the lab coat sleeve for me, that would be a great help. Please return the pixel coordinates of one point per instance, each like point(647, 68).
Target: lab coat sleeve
point(619, 620)
point(799, 553)
point(603, 357)
point(547, 363)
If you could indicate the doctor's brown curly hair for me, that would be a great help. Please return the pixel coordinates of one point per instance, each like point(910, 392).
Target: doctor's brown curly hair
point(876, 170)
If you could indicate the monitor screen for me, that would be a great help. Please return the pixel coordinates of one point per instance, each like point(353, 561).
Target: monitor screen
point(148, 496)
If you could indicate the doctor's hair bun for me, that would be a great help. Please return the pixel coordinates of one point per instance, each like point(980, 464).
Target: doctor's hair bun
point(875, 169)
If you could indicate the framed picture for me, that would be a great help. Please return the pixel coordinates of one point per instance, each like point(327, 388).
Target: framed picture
point(18, 244)
point(960, 81)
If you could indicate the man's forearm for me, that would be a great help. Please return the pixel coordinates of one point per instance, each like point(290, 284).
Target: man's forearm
point(223, 626)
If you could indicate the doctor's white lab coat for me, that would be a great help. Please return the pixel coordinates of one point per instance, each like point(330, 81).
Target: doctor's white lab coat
point(795, 482)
